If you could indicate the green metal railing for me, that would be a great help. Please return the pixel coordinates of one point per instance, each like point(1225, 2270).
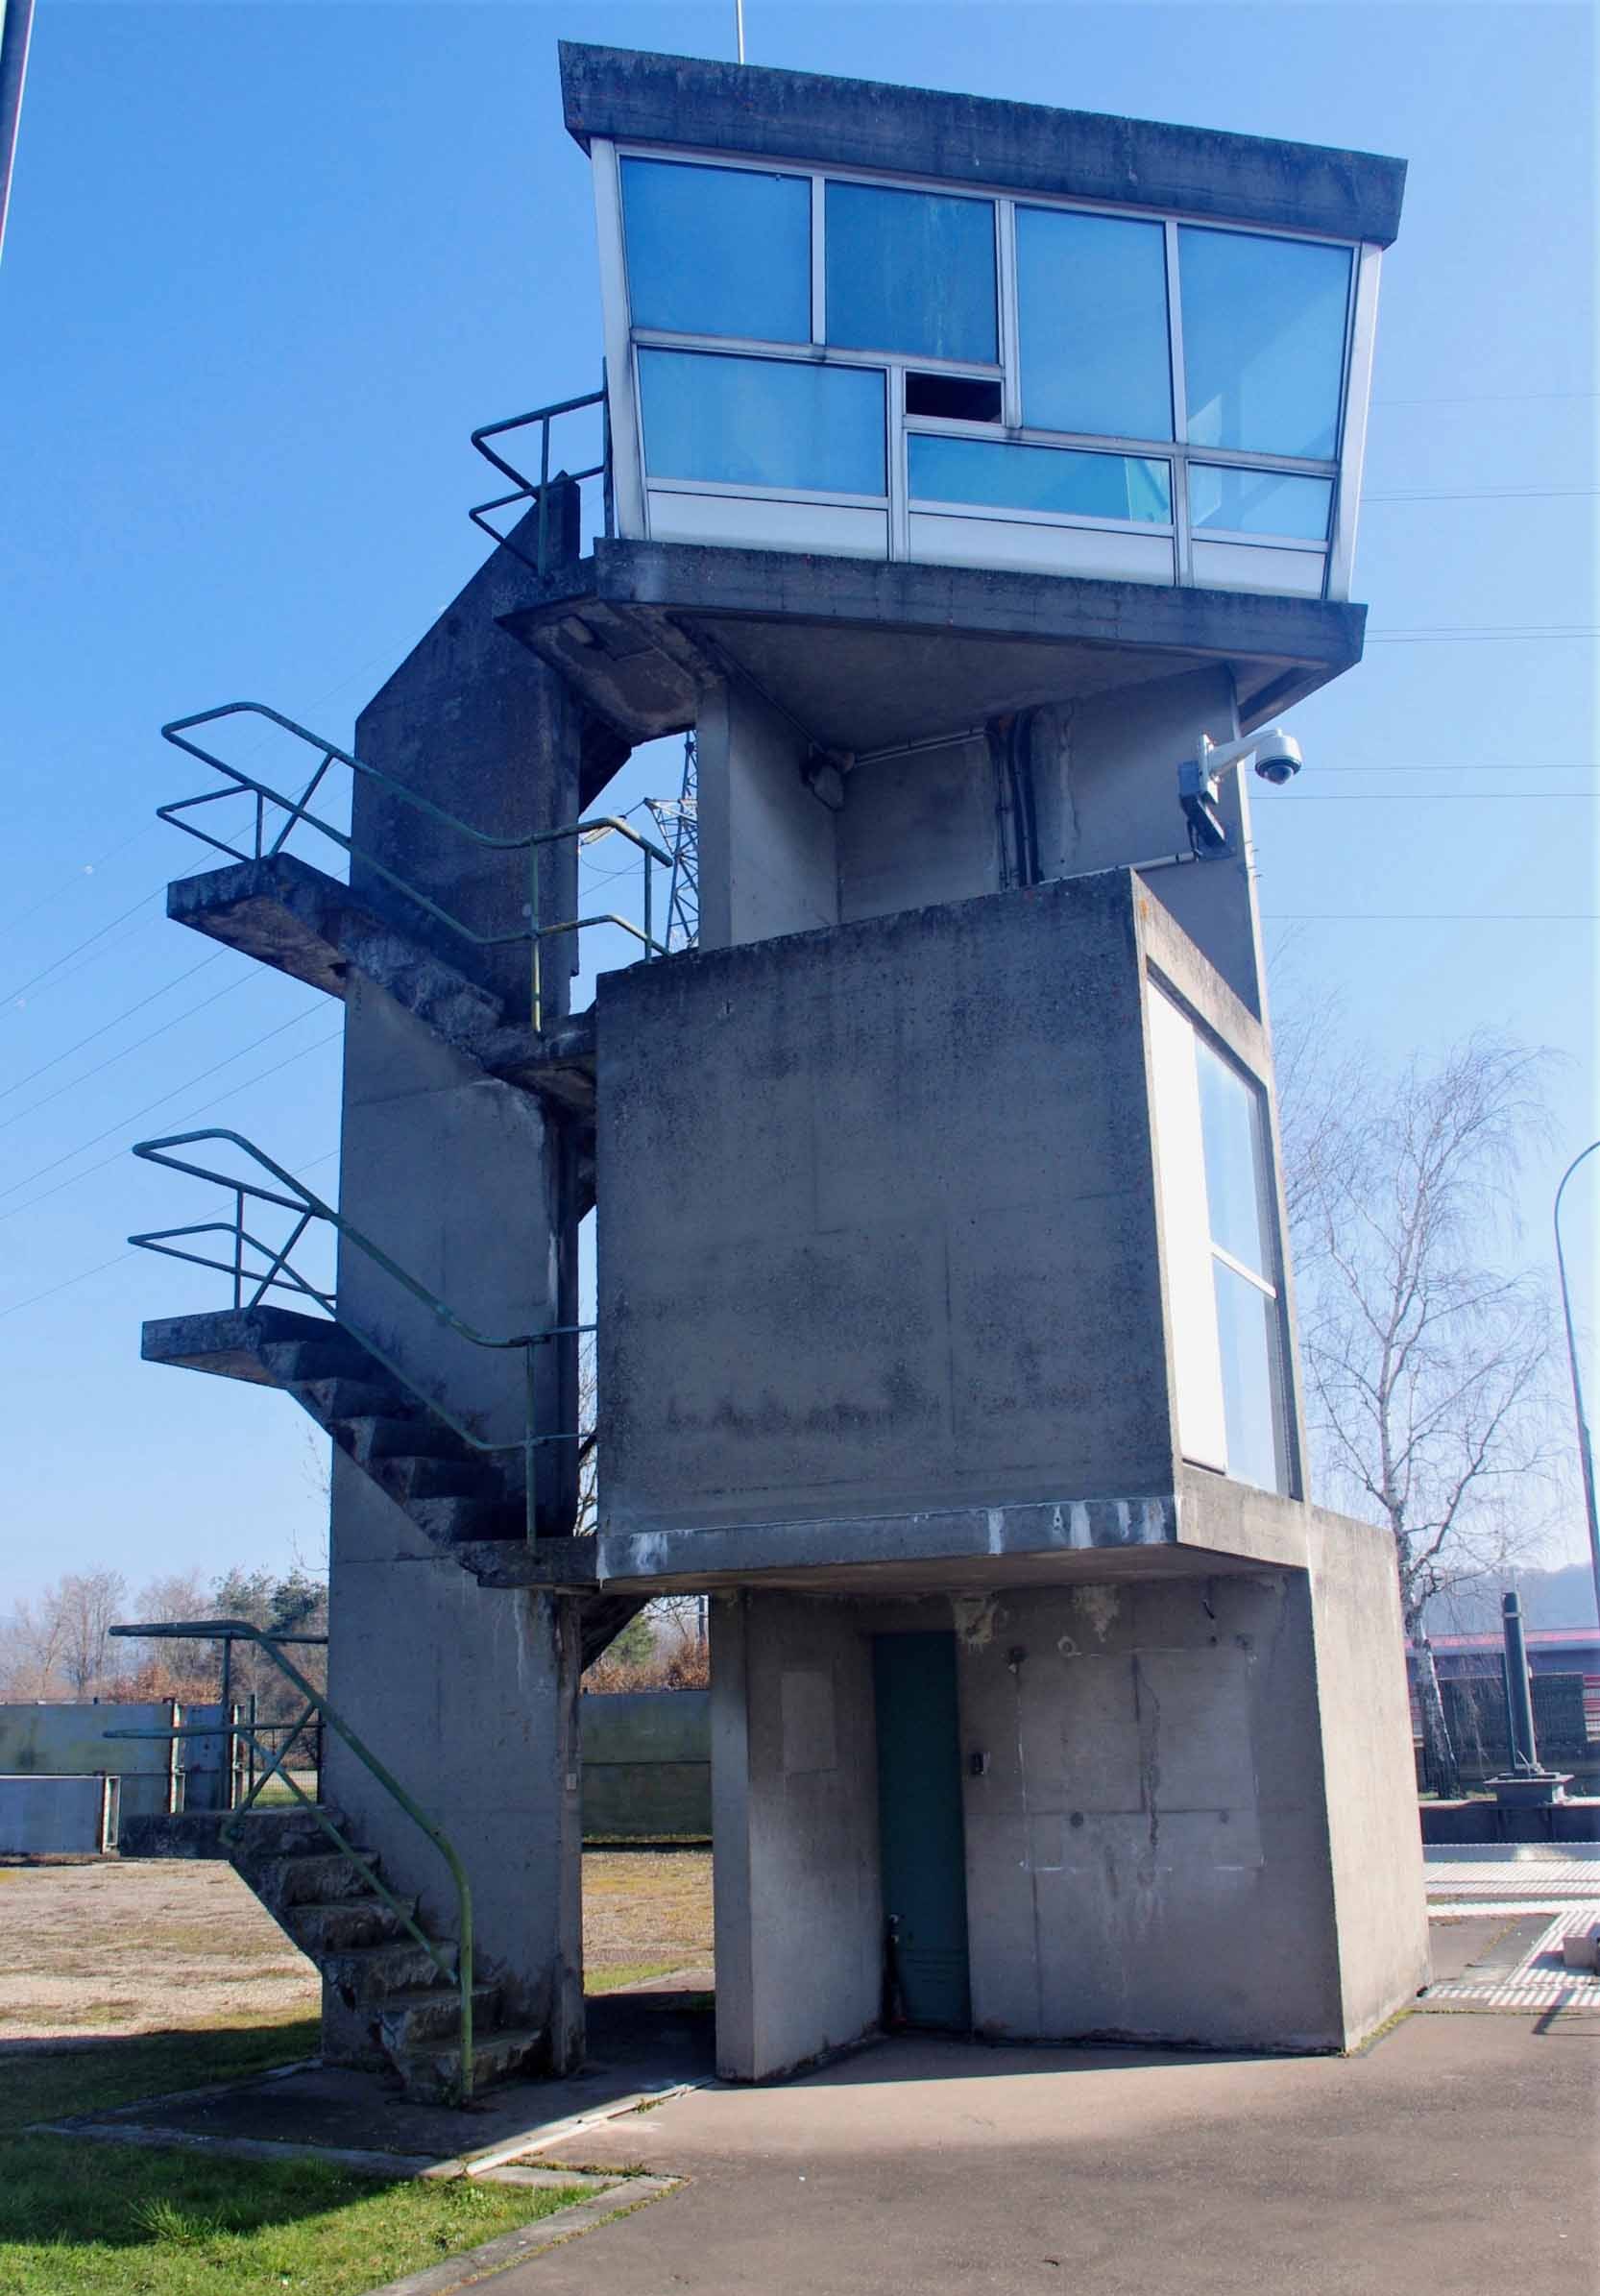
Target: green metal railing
point(253, 1282)
point(526, 490)
point(455, 1968)
point(297, 813)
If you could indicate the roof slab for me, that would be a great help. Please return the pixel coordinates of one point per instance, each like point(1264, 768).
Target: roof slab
point(863, 654)
point(631, 95)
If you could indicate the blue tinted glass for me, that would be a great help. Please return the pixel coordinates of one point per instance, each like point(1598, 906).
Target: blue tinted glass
point(910, 271)
point(1263, 341)
point(714, 251)
point(1247, 1332)
point(1092, 312)
point(1058, 479)
point(763, 422)
point(1260, 502)
point(1230, 1127)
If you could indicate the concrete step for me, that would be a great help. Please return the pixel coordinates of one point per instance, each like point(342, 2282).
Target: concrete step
point(409, 1477)
point(450, 1522)
point(309, 1877)
point(370, 1434)
point(293, 1362)
point(369, 1975)
point(330, 1399)
point(344, 1924)
point(428, 2016)
point(280, 1833)
point(431, 2076)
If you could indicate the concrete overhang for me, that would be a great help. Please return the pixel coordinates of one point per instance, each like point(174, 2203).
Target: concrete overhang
point(863, 654)
point(630, 95)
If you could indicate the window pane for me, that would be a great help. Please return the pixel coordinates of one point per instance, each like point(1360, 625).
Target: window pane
point(910, 271)
point(761, 421)
point(1260, 502)
point(1230, 1126)
point(1056, 478)
point(1263, 341)
point(1246, 1327)
point(1092, 312)
point(715, 251)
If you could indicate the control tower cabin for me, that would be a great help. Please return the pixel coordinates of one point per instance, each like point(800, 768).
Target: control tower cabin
point(970, 467)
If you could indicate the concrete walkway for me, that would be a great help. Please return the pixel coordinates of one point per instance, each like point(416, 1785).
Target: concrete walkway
point(1458, 2153)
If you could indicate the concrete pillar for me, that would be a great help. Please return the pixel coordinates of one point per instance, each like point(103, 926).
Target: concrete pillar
point(469, 1696)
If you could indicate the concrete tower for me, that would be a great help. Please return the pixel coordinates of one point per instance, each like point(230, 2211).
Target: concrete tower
point(971, 466)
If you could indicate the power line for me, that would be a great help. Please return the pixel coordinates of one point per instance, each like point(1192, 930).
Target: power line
point(1429, 916)
point(1502, 633)
point(1436, 797)
point(117, 1154)
point(1486, 766)
point(137, 1045)
point(88, 869)
point(12, 995)
point(107, 1026)
point(1487, 399)
point(1482, 493)
point(187, 1085)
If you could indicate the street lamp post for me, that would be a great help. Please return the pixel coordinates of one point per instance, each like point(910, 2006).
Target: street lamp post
point(1585, 1452)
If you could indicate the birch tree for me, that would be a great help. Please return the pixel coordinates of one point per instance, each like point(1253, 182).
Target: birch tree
point(1424, 1348)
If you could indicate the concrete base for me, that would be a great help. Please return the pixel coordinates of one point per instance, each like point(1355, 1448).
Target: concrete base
point(1188, 1804)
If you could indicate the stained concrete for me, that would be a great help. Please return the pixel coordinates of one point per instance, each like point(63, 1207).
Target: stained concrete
point(713, 106)
point(54, 1738)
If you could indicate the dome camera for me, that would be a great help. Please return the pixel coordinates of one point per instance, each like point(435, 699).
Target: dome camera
point(1278, 758)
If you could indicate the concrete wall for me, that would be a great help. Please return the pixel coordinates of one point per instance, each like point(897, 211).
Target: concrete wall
point(912, 1256)
point(798, 1904)
point(646, 1763)
point(58, 1817)
point(69, 1740)
point(768, 864)
point(1156, 1846)
point(917, 829)
point(1375, 1839)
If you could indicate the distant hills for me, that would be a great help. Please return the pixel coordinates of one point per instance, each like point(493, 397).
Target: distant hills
point(1550, 1598)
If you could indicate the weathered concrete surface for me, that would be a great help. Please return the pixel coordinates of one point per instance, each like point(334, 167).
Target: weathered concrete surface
point(863, 653)
point(1188, 1808)
point(646, 1763)
point(719, 107)
point(769, 862)
point(1454, 2155)
point(798, 1900)
point(57, 1816)
point(912, 1260)
point(1476, 1822)
point(67, 1739)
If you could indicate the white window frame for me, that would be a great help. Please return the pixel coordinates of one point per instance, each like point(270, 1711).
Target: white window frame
point(623, 342)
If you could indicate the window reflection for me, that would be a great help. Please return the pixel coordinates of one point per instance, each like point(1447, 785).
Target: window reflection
point(910, 271)
point(718, 251)
point(1092, 317)
point(1046, 478)
point(773, 422)
point(1235, 1167)
point(1247, 1334)
point(1263, 341)
point(1260, 502)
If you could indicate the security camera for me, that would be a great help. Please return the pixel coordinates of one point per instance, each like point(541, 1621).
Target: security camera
point(1278, 758)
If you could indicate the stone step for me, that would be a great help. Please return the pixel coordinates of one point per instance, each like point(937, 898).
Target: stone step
point(427, 2017)
point(432, 2076)
point(310, 1877)
point(369, 1975)
point(280, 1833)
point(346, 1923)
point(295, 1363)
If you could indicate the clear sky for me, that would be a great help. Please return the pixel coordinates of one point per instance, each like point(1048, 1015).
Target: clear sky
point(269, 264)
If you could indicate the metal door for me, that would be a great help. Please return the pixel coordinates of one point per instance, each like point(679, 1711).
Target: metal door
point(919, 1825)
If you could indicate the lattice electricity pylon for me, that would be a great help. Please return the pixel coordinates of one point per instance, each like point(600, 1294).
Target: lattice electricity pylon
point(678, 819)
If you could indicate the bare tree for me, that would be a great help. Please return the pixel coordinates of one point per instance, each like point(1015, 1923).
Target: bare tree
point(1425, 1357)
point(31, 1649)
point(90, 1604)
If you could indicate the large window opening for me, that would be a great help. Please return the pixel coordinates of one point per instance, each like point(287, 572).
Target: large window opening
point(1220, 1244)
point(1183, 383)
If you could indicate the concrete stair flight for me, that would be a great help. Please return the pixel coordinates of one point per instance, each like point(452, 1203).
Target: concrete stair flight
point(401, 2012)
point(467, 1503)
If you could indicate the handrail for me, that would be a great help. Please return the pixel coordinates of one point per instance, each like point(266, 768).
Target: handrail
point(538, 490)
point(281, 1275)
point(297, 809)
point(239, 1629)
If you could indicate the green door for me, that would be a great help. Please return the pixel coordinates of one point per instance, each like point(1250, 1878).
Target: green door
point(919, 1826)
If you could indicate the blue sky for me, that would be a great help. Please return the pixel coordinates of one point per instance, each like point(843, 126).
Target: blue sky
point(269, 264)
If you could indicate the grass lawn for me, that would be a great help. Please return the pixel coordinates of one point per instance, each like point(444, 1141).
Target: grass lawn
point(78, 2218)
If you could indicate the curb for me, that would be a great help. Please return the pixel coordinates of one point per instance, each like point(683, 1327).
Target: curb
point(474, 2264)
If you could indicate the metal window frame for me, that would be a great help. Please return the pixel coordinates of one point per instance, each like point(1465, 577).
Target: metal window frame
point(623, 342)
